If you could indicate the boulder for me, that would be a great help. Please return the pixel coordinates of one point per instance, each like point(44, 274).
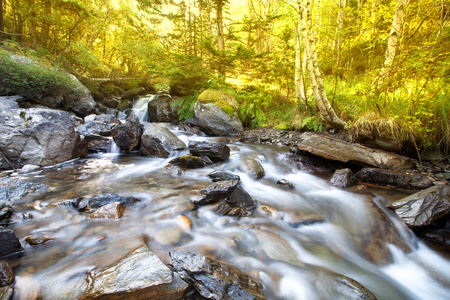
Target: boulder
point(424, 207)
point(6, 274)
point(339, 150)
point(240, 198)
point(139, 275)
point(51, 87)
point(215, 151)
point(159, 141)
point(134, 93)
point(215, 192)
point(401, 179)
point(9, 243)
point(109, 211)
point(93, 128)
point(38, 136)
point(215, 280)
point(100, 200)
point(9, 102)
point(254, 169)
point(128, 136)
point(110, 102)
point(222, 175)
point(342, 178)
point(189, 162)
point(98, 143)
point(217, 115)
point(161, 109)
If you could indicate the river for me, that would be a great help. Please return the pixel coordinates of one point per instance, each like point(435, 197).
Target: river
point(286, 241)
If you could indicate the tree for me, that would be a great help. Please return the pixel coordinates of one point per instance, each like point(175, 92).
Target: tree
point(315, 78)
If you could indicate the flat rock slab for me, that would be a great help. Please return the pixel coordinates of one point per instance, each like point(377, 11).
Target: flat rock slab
point(335, 149)
point(424, 207)
point(401, 179)
point(215, 280)
point(139, 275)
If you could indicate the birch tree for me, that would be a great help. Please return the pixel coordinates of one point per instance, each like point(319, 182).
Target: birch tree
point(315, 78)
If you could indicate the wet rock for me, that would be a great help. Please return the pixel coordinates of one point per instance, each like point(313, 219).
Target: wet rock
point(401, 179)
point(6, 293)
point(134, 93)
point(168, 235)
point(9, 102)
point(110, 102)
point(38, 240)
point(189, 162)
point(424, 207)
point(342, 178)
point(98, 143)
point(332, 285)
point(215, 151)
point(17, 190)
point(161, 109)
point(128, 136)
point(37, 136)
point(6, 211)
point(27, 288)
point(222, 175)
point(159, 141)
point(139, 275)
point(9, 243)
point(29, 169)
point(109, 211)
point(215, 280)
point(254, 168)
point(216, 192)
point(222, 208)
point(94, 128)
point(240, 198)
point(335, 149)
point(100, 200)
point(285, 183)
point(6, 274)
point(214, 121)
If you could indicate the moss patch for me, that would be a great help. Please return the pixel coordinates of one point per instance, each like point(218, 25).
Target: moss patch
point(222, 99)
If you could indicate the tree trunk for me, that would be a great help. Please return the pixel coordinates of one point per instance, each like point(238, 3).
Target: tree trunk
point(220, 34)
point(338, 34)
point(327, 112)
point(2, 25)
point(299, 79)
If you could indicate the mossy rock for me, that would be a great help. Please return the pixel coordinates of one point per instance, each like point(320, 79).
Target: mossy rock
point(222, 99)
point(125, 104)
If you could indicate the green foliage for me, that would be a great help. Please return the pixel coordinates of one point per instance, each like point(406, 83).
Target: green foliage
point(30, 79)
point(186, 106)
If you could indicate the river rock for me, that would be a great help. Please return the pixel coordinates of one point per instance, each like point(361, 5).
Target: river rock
point(342, 178)
point(189, 162)
point(240, 198)
point(215, 280)
point(216, 192)
point(9, 102)
point(214, 121)
point(161, 109)
point(37, 136)
point(401, 179)
point(6, 211)
point(93, 128)
point(424, 207)
point(139, 275)
point(331, 285)
point(222, 175)
point(159, 141)
point(109, 211)
point(9, 243)
point(110, 102)
point(254, 169)
point(98, 143)
point(128, 136)
point(335, 149)
point(29, 169)
point(215, 151)
point(6, 293)
point(17, 190)
point(38, 240)
point(285, 183)
point(100, 200)
point(134, 93)
point(6, 274)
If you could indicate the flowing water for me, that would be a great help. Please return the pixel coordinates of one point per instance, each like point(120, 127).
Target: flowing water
point(290, 238)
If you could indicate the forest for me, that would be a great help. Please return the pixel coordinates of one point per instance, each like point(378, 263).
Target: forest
point(377, 68)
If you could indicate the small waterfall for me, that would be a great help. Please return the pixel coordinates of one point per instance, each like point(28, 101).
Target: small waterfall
point(140, 107)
